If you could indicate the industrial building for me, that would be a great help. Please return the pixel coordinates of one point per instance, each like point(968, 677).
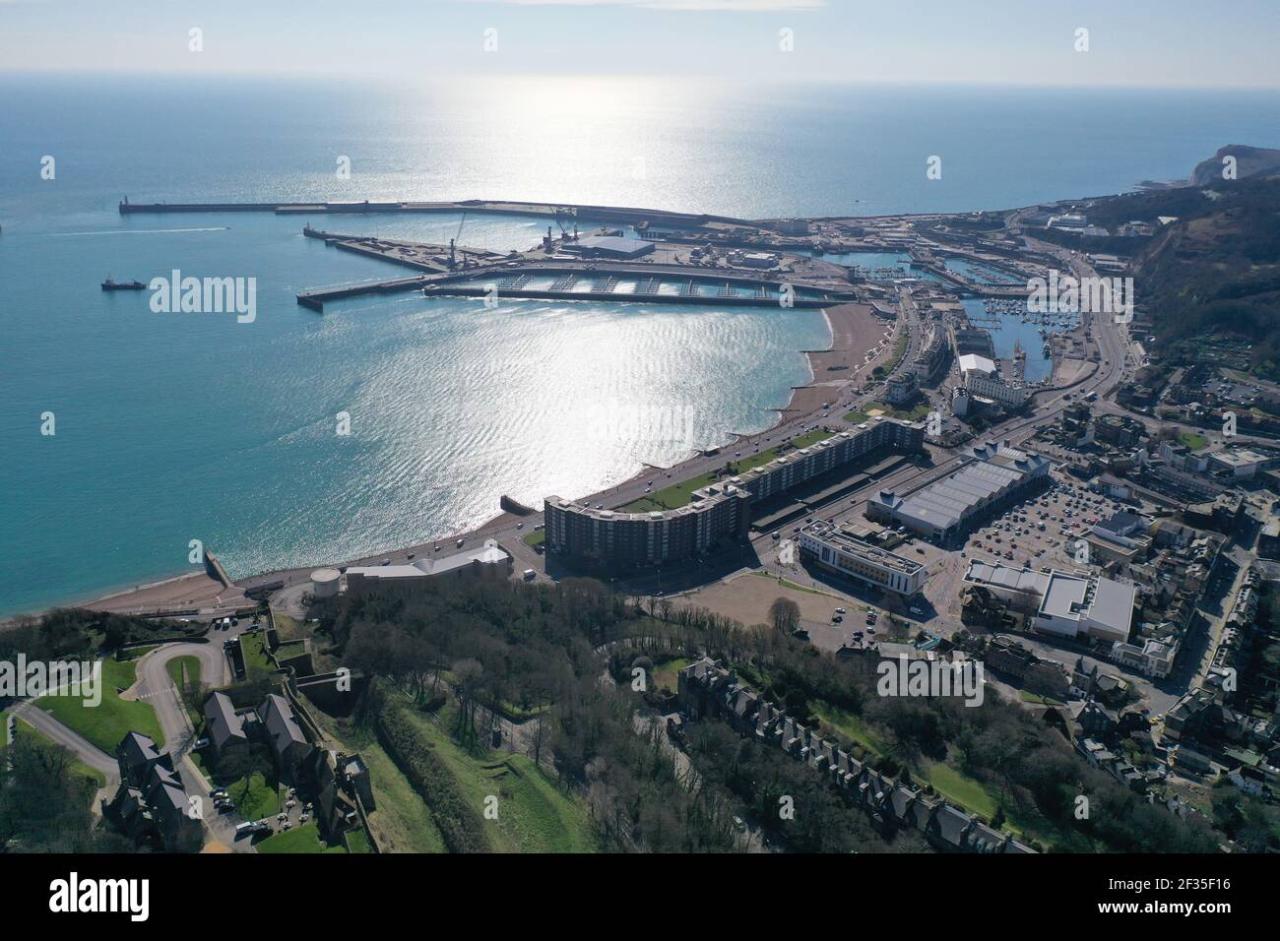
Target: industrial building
point(718, 513)
point(615, 247)
point(831, 548)
point(945, 509)
point(1062, 604)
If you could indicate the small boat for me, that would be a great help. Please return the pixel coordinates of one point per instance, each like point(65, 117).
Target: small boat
point(110, 285)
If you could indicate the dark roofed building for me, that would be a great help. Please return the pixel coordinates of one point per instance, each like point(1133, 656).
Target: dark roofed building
point(285, 735)
point(223, 726)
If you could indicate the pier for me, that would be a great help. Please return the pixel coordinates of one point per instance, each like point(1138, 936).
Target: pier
point(618, 214)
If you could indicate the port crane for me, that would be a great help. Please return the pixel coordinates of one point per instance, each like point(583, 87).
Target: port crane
point(453, 241)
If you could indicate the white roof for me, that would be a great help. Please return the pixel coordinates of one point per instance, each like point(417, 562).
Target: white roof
point(488, 554)
point(972, 362)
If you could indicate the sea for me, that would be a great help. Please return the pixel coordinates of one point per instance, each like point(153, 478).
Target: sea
point(128, 433)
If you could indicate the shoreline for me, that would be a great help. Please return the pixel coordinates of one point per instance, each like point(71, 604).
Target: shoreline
point(854, 328)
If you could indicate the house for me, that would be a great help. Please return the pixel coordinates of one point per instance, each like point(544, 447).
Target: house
point(223, 727)
point(283, 734)
point(151, 803)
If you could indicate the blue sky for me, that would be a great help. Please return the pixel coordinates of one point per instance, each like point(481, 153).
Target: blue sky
point(1134, 42)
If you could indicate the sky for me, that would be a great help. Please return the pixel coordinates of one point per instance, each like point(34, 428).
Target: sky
point(1178, 43)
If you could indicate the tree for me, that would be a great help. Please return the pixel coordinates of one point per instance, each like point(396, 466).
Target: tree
point(784, 615)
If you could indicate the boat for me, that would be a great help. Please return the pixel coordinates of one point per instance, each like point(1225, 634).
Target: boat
point(110, 285)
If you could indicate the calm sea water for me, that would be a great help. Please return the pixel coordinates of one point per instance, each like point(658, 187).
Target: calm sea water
point(181, 426)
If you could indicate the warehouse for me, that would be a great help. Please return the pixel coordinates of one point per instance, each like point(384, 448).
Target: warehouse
point(945, 510)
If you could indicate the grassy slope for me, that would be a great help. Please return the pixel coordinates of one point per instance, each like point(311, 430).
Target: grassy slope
point(534, 815)
point(402, 821)
point(78, 768)
point(303, 839)
point(107, 724)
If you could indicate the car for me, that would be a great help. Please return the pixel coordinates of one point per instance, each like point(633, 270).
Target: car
point(840, 611)
point(218, 793)
point(460, 542)
point(225, 807)
point(409, 556)
point(775, 535)
point(836, 618)
point(385, 562)
point(529, 575)
point(200, 743)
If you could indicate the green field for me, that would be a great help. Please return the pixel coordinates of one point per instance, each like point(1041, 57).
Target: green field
point(858, 416)
point(534, 815)
point(303, 839)
point(111, 720)
point(678, 495)
point(535, 538)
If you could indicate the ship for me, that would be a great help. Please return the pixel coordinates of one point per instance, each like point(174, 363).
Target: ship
point(110, 285)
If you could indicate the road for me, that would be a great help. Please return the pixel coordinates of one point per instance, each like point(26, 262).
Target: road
point(155, 686)
point(83, 749)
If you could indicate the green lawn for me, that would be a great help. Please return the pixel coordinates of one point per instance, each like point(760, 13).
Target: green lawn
point(1192, 440)
point(113, 718)
point(358, 842)
point(303, 839)
point(184, 670)
point(664, 674)
point(959, 789)
point(1037, 698)
point(534, 815)
point(256, 662)
point(535, 538)
point(254, 798)
point(849, 724)
point(678, 495)
point(858, 416)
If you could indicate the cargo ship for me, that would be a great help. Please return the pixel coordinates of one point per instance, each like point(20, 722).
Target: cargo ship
point(110, 285)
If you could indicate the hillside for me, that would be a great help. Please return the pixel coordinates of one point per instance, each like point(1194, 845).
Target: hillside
point(1250, 162)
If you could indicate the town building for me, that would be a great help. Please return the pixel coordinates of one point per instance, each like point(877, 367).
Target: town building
point(825, 545)
point(718, 513)
point(1060, 603)
point(983, 381)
